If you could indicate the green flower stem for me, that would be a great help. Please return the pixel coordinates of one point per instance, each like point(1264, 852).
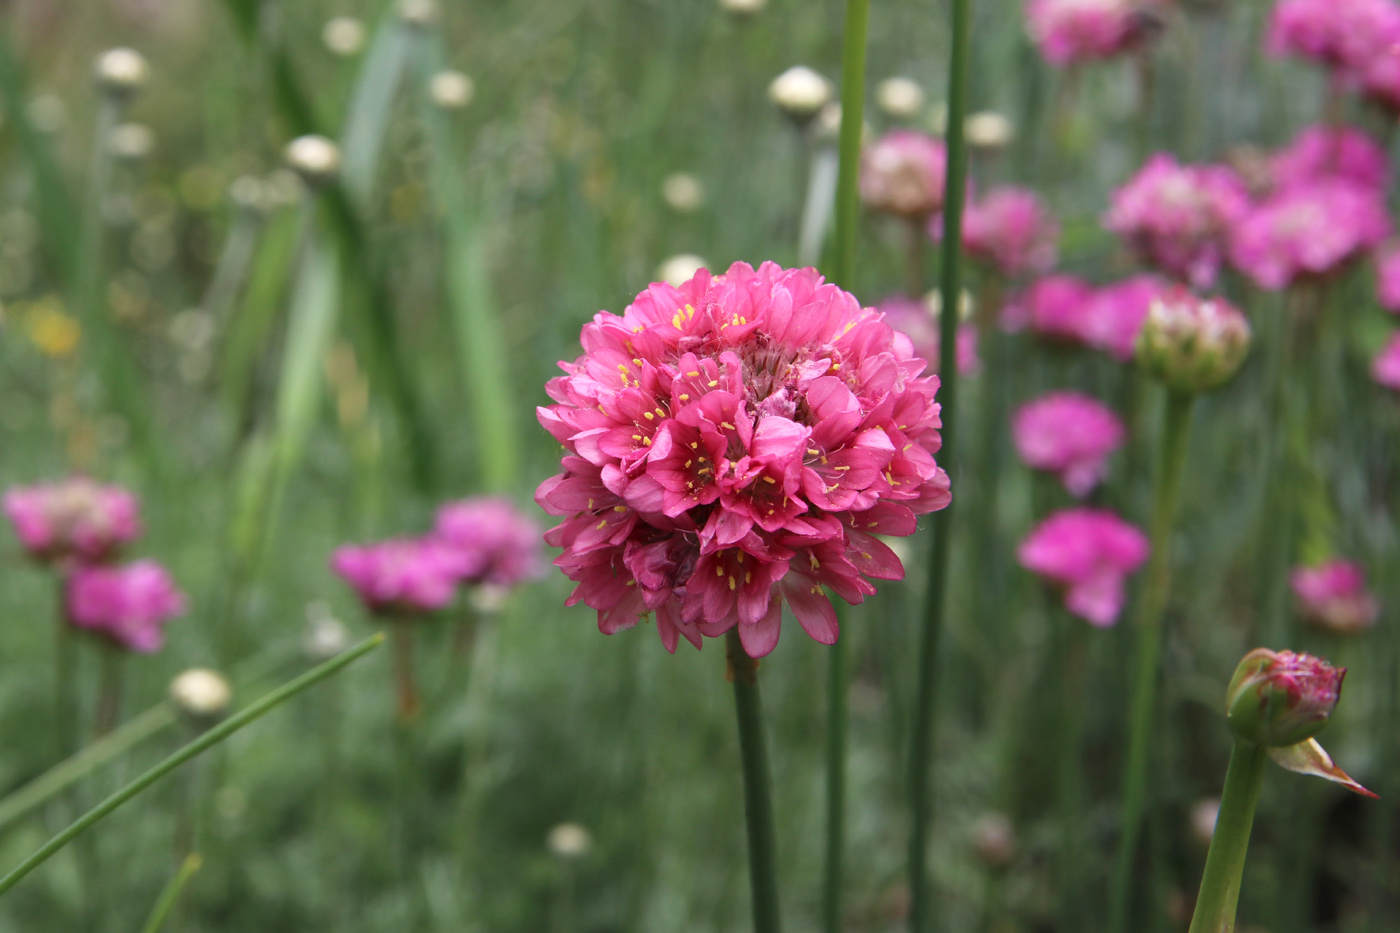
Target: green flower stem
point(857, 28)
point(109, 689)
point(914, 258)
point(406, 687)
point(1069, 777)
point(925, 713)
point(211, 738)
point(758, 800)
point(1152, 603)
point(166, 902)
point(1220, 885)
point(65, 711)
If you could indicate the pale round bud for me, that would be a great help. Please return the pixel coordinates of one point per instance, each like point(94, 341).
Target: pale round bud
point(451, 90)
point(683, 192)
point(570, 841)
point(344, 36)
point(1192, 344)
point(1203, 816)
point(120, 71)
point(201, 693)
point(418, 12)
point(800, 93)
point(994, 839)
point(315, 158)
point(248, 193)
point(900, 98)
point(679, 269)
point(966, 305)
point(131, 141)
point(988, 130)
point(742, 7)
point(326, 636)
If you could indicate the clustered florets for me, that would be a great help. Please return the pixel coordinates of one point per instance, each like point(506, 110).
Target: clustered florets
point(735, 444)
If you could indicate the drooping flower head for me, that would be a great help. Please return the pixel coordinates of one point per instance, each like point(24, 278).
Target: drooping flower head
point(73, 519)
point(1071, 31)
point(1311, 229)
point(1333, 595)
point(501, 546)
point(918, 321)
point(1388, 277)
point(1010, 230)
point(127, 604)
point(1178, 217)
point(1385, 368)
point(402, 576)
point(1319, 152)
point(1113, 318)
point(1279, 698)
point(1088, 552)
point(734, 444)
point(1054, 307)
point(1192, 344)
point(1069, 434)
point(902, 173)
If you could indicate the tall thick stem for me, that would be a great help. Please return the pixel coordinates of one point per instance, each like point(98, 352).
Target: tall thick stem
point(1220, 884)
point(406, 686)
point(758, 800)
point(1151, 605)
point(836, 717)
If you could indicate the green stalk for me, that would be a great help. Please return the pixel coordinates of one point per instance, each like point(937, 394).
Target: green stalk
point(1220, 884)
point(758, 799)
point(925, 713)
point(1069, 776)
point(1151, 605)
point(211, 738)
point(166, 902)
point(64, 681)
point(109, 690)
point(857, 28)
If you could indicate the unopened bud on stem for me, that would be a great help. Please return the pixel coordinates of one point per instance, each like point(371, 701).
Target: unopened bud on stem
point(800, 93)
point(1279, 698)
point(315, 158)
point(1192, 344)
point(120, 72)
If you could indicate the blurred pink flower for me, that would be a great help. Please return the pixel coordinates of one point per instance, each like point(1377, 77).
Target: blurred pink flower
point(1053, 307)
point(75, 518)
point(1388, 277)
point(501, 546)
point(1069, 434)
point(1010, 230)
point(1089, 552)
point(1114, 316)
point(1318, 152)
point(1345, 35)
point(128, 604)
point(1310, 229)
point(1386, 366)
point(1333, 595)
point(1178, 217)
point(902, 173)
point(1071, 31)
point(734, 444)
point(402, 575)
point(916, 320)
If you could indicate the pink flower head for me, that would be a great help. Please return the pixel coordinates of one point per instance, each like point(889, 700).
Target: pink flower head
point(75, 518)
point(1012, 231)
point(1089, 552)
point(1333, 595)
point(1281, 698)
point(1388, 277)
point(1319, 152)
point(1071, 31)
point(917, 321)
point(1311, 229)
point(1069, 434)
point(1385, 368)
point(1345, 35)
point(500, 545)
point(734, 444)
point(402, 575)
point(1114, 316)
point(902, 173)
point(1053, 307)
point(1178, 217)
point(128, 604)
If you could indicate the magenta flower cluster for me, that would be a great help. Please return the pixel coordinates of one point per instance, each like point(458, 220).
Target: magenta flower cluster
point(1069, 32)
point(128, 605)
point(1088, 553)
point(1355, 39)
point(1066, 309)
point(916, 320)
point(735, 444)
point(903, 173)
point(1333, 595)
point(1068, 434)
point(1011, 231)
point(1386, 366)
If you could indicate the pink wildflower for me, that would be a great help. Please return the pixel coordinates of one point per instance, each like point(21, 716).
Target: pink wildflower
point(1343, 153)
point(1053, 307)
point(1178, 217)
point(1345, 35)
point(1388, 277)
point(501, 545)
point(734, 444)
point(1089, 552)
point(1333, 595)
point(1069, 434)
point(902, 173)
point(127, 604)
point(402, 575)
point(1071, 31)
point(1113, 318)
point(75, 518)
point(1386, 366)
point(1311, 229)
point(1280, 698)
point(917, 321)
point(1010, 230)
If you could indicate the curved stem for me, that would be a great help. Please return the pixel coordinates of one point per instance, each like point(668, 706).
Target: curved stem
point(1151, 604)
point(1220, 884)
point(758, 800)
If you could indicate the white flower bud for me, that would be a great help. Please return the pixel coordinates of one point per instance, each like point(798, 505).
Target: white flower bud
point(683, 192)
point(800, 93)
point(900, 98)
point(742, 7)
point(201, 693)
point(120, 71)
point(988, 130)
point(131, 141)
point(248, 193)
point(325, 636)
point(344, 36)
point(679, 269)
point(418, 12)
point(315, 158)
point(451, 90)
point(570, 841)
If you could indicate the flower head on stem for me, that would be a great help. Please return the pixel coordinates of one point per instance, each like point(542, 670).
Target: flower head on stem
point(75, 519)
point(1088, 553)
point(127, 605)
point(1192, 344)
point(1333, 595)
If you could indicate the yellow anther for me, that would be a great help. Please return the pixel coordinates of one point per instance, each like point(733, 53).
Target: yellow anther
point(648, 415)
point(683, 397)
point(748, 576)
point(769, 479)
point(727, 426)
point(733, 584)
point(719, 571)
point(646, 441)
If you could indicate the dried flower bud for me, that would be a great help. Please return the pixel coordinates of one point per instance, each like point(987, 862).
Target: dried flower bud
point(451, 90)
point(344, 36)
point(900, 98)
point(994, 838)
point(570, 841)
point(418, 12)
point(131, 141)
point(201, 694)
point(1192, 344)
point(1279, 698)
point(800, 93)
point(120, 72)
point(315, 158)
point(683, 192)
point(679, 269)
point(988, 130)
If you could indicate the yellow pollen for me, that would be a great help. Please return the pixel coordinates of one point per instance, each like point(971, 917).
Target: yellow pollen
point(688, 463)
point(693, 372)
point(733, 583)
point(636, 437)
point(590, 504)
point(648, 415)
point(646, 441)
point(694, 445)
point(684, 398)
point(713, 383)
point(623, 508)
point(908, 445)
point(813, 559)
point(835, 366)
point(636, 362)
point(661, 412)
point(769, 479)
point(817, 590)
point(814, 452)
point(601, 525)
point(726, 425)
point(748, 576)
point(864, 556)
point(719, 571)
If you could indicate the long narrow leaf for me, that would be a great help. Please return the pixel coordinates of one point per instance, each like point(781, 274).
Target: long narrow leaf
point(166, 902)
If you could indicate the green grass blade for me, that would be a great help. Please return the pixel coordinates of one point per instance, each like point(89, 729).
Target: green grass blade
point(314, 312)
point(372, 106)
point(166, 902)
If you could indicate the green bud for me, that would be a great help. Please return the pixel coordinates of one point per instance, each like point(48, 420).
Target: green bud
point(1279, 698)
point(1192, 344)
